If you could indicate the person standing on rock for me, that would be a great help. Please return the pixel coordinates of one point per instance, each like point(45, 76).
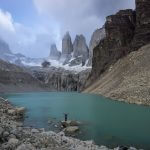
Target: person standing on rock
point(66, 116)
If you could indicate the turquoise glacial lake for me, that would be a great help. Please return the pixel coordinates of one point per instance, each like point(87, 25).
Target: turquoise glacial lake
point(105, 121)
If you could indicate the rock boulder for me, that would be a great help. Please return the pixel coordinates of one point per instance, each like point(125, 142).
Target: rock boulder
point(71, 130)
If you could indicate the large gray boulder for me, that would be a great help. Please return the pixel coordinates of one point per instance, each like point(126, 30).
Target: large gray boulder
point(67, 48)
point(54, 53)
point(97, 36)
point(80, 48)
point(71, 130)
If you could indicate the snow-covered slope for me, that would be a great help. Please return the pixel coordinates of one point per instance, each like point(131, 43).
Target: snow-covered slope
point(59, 64)
point(18, 59)
point(7, 55)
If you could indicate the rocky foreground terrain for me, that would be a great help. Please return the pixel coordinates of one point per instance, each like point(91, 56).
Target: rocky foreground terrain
point(14, 136)
point(117, 71)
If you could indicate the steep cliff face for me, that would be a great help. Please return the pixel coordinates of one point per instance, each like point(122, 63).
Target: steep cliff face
point(97, 36)
point(126, 31)
point(74, 54)
point(142, 32)
point(80, 50)
point(119, 30)
point(67, 48)
point(58, 79)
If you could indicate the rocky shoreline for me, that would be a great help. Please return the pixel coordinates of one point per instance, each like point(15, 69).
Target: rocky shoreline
point(14, 136)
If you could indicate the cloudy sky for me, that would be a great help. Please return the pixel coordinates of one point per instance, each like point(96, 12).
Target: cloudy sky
point(30, 26)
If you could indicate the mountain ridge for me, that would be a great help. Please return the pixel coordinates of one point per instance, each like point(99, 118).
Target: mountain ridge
point(126, 31)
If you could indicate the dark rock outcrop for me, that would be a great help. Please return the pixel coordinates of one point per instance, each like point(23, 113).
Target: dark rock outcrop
point(54, 53)
point(142, 32)
point(126, 31)
point(119, 34)
point(120, 27)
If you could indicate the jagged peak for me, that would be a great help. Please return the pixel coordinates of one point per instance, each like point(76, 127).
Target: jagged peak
point(80, 37)
point(67, 35)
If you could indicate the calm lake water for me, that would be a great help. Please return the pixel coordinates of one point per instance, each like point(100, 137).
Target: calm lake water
point(105, 121)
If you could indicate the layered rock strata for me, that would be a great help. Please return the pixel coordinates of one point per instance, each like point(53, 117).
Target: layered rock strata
point(119, 34)
point(126, 31)
point(58, 79)
point(142, 31)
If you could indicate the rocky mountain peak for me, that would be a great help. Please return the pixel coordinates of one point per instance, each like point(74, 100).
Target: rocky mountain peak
point(67, 46)
point(67, 49)
point(80, 47)
point(54, 53)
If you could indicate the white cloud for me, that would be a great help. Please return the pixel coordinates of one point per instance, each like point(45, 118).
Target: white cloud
point(31, 41)
point(75, 16)
point(80, 16)
point(55, 18)
point(6, 21)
